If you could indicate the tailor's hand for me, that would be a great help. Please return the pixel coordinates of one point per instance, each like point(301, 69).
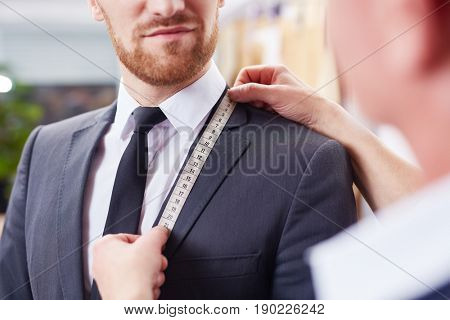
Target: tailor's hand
point(276, 89)
point(381, 175)
point(130, 267)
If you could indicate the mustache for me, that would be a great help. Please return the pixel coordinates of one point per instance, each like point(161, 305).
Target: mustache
point(175, 20)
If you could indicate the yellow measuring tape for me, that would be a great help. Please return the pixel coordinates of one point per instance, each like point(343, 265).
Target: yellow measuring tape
point(194, 166)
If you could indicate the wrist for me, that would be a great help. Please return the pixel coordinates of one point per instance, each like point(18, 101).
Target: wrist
point(329, 119)
point(138, 296)
point(333, 121)
point(129, 293)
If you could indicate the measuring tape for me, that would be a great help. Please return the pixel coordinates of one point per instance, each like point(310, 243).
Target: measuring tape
point(196, 161)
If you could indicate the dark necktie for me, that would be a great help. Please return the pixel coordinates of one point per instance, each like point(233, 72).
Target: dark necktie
point(127, 197)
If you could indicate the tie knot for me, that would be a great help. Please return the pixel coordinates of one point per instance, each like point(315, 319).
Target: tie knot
point(146, 118)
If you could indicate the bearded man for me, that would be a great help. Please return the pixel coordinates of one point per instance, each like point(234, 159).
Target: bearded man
point(268, 190)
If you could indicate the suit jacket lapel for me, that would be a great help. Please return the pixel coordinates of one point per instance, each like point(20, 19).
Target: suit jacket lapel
point(70, 205)
point(226, 153)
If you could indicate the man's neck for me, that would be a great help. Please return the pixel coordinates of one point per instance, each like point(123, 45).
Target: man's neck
point(429, 138)
point(151, 96)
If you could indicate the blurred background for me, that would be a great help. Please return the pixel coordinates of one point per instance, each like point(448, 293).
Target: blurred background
point(57, 62)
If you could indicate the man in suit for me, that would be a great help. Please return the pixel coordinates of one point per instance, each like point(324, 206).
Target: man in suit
point(269, 189)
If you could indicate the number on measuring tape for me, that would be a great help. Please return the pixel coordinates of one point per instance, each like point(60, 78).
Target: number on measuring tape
point(194, 165)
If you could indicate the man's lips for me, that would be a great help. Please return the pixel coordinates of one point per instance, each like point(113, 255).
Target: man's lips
point(168, 32)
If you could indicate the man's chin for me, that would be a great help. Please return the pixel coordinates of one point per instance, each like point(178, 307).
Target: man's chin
point(171, 65)
point(172, 72)
point(162, 48)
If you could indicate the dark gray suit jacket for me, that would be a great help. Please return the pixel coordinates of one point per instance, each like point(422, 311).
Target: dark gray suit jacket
point(268, 191)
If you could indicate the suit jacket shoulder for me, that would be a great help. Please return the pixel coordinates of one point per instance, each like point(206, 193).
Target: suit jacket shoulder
point(68, 126)
point(286, 136)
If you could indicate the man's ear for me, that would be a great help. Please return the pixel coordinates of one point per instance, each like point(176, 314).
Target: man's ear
point(422, 32)
point(97, 12)
point(438, 34)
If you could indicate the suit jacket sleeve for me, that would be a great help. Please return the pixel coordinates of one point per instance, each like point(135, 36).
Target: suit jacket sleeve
point(322, 206)
point(14, 279)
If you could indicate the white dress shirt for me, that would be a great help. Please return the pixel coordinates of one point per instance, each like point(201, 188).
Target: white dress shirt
point(168, 147)
point(403, 255)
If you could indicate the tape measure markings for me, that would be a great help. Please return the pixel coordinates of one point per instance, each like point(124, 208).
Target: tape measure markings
point(194, 165)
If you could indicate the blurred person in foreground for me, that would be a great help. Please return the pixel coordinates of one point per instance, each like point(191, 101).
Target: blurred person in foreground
point(406, 253)
point(241, 233)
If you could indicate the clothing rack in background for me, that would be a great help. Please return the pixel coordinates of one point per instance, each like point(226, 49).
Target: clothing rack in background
point(289, 32)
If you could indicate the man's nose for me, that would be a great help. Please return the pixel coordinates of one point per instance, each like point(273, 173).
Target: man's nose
point(165, 8)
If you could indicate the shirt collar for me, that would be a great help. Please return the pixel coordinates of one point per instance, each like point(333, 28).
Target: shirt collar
point(186, 108)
